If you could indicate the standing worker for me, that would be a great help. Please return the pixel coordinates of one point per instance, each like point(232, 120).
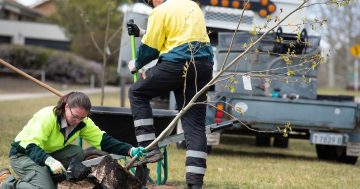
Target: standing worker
point(44, 144)
point(176, 35)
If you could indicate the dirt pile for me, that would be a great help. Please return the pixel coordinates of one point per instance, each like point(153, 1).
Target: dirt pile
point(108, 174)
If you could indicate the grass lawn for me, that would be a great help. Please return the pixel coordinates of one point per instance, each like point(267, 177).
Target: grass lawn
point(335, 91)
point(235, 163)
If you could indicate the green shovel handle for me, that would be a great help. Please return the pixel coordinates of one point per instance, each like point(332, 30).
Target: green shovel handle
point(133, 55)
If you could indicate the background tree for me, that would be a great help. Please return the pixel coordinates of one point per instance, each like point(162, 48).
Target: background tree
point(339, 34)
point(94, 28)
point(288, 57)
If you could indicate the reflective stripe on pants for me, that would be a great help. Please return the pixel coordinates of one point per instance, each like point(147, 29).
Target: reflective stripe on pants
point(161, 79)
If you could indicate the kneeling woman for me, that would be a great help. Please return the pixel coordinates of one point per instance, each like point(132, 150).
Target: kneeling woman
point(44, 144)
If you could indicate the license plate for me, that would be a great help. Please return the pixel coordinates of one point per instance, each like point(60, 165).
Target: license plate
point(327, 138)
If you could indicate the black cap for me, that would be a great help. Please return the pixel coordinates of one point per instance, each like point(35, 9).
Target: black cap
point(148, 2)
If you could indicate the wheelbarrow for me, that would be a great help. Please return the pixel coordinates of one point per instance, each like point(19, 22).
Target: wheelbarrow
point(118, 122)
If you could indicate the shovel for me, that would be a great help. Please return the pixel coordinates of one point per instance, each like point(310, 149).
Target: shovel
point(133, 50)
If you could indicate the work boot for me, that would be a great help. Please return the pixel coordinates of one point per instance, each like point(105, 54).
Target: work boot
point(194, 186)
point(4, 174)
point(142, 173)
point(152, 156)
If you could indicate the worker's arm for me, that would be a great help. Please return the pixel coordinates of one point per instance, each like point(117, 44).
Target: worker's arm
point(152, 41)
point(102, 141)
point(43, 122)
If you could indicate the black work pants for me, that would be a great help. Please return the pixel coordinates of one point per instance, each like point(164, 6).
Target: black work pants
point(161, 79)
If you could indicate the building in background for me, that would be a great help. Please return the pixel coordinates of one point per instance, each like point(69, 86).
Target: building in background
point(18, 26)
point(45, 7)
point(11, 10)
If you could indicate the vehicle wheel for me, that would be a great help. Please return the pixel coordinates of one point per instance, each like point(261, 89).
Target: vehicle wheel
point(91, 153)
point(326, 152)
point(334, 153)
point(348, 159)
point(281, 142)
point(181, 145)
point(343, 158)
point(262, 141)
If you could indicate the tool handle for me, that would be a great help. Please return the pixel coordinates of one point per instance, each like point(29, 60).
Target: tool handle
point(136, 77)
point(133, 51)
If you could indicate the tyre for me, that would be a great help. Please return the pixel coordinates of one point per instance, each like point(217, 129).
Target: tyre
point(262, 141)
point(325, 152)
point(334, 153)
point(281, 142)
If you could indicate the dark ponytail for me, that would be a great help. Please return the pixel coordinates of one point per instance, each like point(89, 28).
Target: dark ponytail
point(75, 100)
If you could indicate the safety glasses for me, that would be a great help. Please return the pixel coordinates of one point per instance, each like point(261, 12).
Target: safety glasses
point(74, 116)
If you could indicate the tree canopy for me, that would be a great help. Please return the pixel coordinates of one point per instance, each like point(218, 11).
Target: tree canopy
point(83, 18)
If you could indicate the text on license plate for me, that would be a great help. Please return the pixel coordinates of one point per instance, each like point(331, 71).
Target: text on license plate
point(327, 138)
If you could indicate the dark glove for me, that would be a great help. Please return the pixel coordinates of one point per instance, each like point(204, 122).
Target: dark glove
point(133, 29)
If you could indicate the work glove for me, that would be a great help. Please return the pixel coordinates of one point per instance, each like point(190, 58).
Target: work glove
point(133, 29)
point(55, 166)
point(132, 67)
point(138, 152)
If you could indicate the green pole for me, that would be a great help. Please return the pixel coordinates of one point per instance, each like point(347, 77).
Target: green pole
point(133, 54)
point(159, 166)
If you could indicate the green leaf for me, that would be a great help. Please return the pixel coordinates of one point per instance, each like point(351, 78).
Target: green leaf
point(290, 73)
point(232, 88)
point(244, 46)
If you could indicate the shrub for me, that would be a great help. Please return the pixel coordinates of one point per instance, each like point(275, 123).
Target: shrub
point(59, 66)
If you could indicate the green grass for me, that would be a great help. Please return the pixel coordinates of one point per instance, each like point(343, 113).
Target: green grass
point(235, 163)
point(337, 91)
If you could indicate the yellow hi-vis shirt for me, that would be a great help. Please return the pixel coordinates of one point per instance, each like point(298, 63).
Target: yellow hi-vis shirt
point(43, 135)
point(176, 32)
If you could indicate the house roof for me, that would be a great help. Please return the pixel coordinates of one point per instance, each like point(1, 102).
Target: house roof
point(13, 6)
point(32, 30)
point(38, 3)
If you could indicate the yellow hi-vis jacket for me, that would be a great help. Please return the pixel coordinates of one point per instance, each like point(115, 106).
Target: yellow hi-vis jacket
point(176, 32)
point(43, 135)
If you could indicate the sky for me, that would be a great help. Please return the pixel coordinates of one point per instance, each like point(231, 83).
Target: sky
point(27, 2)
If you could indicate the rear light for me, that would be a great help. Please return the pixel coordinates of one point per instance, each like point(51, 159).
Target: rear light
point(263, 13)
point(271, 8)
point(264, 2)
point(219, 112)
point(225, 3)
point(236, 4)
point(262, 7)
